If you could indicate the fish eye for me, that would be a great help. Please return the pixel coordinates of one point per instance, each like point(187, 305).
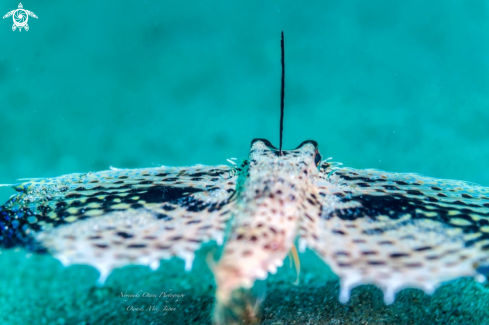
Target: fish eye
point(314, 143)
point(317, 158)
point(265, 142)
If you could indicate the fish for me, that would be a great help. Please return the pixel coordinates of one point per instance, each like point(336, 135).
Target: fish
point(392, 230)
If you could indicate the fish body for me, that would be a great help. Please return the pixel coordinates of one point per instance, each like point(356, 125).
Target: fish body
point(371, 227)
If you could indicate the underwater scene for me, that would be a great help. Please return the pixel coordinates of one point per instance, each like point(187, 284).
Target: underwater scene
point(144, 179)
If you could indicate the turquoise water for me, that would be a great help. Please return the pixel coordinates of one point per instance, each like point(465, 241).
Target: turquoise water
point(399, 86)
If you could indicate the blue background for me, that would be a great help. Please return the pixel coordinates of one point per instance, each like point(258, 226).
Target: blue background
point(394, 85)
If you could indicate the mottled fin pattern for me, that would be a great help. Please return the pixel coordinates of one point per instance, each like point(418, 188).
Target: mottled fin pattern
point(398, 230)
point(121, 216)
point(371, 227)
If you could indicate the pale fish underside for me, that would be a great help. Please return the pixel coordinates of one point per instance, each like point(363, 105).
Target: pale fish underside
point(371, 227)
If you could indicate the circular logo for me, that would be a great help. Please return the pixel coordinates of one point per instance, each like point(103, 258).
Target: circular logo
point(20, 17)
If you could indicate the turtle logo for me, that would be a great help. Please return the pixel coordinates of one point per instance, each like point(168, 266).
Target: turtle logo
point(20, 17)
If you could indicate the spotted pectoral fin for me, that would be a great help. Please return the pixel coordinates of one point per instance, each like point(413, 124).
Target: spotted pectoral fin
point(118, 217)
point(399, 230)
